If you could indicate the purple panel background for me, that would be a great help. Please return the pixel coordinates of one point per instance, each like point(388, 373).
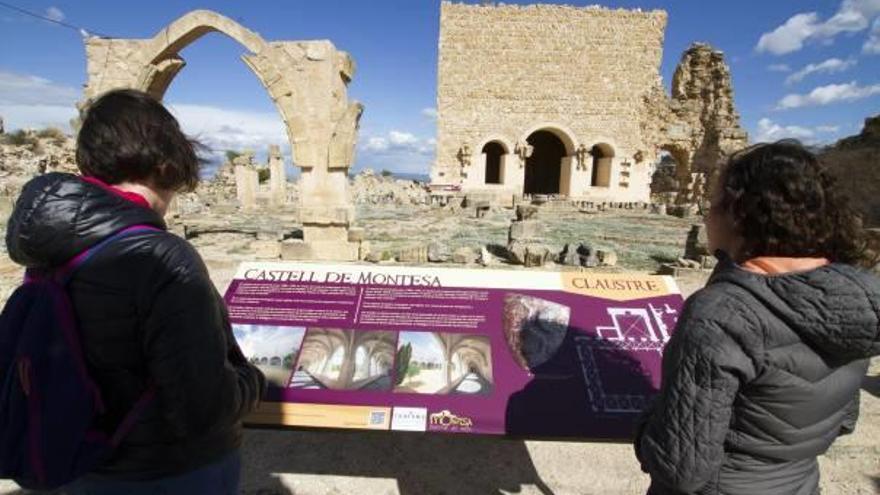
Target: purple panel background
point(552, 403)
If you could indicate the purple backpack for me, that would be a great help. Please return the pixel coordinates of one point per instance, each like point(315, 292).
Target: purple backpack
point(48, 401)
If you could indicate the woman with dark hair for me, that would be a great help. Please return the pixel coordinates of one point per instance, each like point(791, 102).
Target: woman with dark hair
point(148, 314)
point(764, 369)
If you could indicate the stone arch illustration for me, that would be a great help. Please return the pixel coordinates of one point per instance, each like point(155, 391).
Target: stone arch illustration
point(465, 357)
point(345, 360)
point(306, 80)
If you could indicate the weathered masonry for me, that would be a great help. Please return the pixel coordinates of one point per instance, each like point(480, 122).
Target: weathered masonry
point(568, 101)
point(307, 81)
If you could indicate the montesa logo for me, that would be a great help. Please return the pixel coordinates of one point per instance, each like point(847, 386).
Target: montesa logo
point(448, 421)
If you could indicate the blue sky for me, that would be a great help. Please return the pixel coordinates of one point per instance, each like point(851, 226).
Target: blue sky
point(801, 68)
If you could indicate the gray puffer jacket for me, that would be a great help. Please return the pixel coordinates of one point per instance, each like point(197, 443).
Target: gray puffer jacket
point(761, 376)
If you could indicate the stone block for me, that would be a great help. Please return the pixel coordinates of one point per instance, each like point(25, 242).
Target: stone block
point(356, 234)
point(464, 255)
point(266, 249)
point(516, 252)
point(569, 256)
point(414, 254)
point(697, 244)
point(295, 249)
point(524, 230)
point(526, 212)
point(536, 255)
point(437, 253)
point(486, 258)
point(341, 215)
point(606, 257)
point(323, 233)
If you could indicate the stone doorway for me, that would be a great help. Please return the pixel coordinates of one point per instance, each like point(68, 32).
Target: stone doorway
point(544, 167)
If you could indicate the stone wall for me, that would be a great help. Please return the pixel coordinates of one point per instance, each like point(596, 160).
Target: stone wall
point(590, 76)
point(506, 71)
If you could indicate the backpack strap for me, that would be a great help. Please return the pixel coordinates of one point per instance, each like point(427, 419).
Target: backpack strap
point(131, 419)
point(66, 271)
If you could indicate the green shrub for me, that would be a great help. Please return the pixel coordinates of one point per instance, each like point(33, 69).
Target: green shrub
point(20, 138)
point(232, 155)
point(263, 174)
point(53, 133)
point(386, 173)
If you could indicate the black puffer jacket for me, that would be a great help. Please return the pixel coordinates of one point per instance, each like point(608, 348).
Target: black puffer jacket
point(148, 313)
point(761, 376)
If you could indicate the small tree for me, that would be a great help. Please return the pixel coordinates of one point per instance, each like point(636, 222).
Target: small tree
point(53, 133)
point(404, 354)
point(232, 155)
point(263, 174)
point(288, 362)
point(386, 173)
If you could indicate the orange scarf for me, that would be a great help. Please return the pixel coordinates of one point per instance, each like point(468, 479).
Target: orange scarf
point(769, 265)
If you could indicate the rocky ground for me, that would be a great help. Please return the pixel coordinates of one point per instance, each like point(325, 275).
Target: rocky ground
point(395, 218)
point(335, 462)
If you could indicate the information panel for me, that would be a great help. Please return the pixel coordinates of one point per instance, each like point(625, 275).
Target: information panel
point(523, 353)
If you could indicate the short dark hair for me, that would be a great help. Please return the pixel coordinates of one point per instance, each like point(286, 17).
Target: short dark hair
point(127, 135)
point(784, 203)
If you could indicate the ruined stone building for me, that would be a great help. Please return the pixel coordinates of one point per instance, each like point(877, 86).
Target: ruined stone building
point(568, 101)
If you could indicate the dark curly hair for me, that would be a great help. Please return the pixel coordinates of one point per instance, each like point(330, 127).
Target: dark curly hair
point(784, 203)
point(127, 135)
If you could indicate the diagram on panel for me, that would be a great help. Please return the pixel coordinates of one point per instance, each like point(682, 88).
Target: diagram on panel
point(615, 379)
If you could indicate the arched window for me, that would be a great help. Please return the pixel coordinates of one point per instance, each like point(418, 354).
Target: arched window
point(494, 152)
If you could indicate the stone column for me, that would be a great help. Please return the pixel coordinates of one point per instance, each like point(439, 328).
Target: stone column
point(247, 181)
point(277, 177)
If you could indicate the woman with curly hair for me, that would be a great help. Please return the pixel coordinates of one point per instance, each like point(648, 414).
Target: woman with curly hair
point(764, 369)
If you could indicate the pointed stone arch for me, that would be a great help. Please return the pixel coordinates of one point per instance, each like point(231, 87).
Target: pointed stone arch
point(306, 80)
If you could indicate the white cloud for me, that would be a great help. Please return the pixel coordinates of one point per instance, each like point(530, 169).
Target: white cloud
point(779, 68)
point(830, 66)
point(399, 138)
point(826, 95)
point(769, 131)
point(852, 16)
point(28, 101)
point(26, 89)
point(830, 129)
point(375, 143)
point(430, 113)
point(222, 129)
point(55, 14)
point(397, 150)
point(872, 46)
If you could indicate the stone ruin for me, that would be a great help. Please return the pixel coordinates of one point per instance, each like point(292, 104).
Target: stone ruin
point(307, 81)
point(568, 102)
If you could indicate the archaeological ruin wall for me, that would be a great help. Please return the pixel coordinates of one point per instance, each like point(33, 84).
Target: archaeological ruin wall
point(307, 81)
point(568, 101)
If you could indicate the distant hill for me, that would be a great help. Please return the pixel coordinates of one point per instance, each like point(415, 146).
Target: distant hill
point(855, 161)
